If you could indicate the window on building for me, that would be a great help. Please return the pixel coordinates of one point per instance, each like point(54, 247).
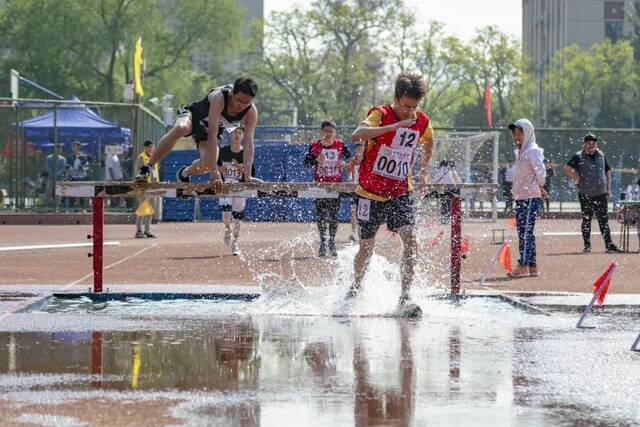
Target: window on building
point(613, 30)
point(614, 10)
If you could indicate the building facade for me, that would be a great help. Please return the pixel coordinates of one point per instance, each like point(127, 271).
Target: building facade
point(550, 25)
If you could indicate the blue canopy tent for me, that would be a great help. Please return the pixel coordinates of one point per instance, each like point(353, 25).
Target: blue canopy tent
point(74, 122)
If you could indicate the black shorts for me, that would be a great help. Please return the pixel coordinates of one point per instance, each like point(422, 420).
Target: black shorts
point(198, 117)
point(327, 209)
point(395, 213)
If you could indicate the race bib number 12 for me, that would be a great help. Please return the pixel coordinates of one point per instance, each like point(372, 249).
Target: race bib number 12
point(395, 162)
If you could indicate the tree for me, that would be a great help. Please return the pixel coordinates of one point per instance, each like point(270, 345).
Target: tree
point(85, 48)
point(569, 84)
point(497, 58)
point(595, 87)
point(616, 82)
point(440, 59)
point(350, 32)
point(292, 61)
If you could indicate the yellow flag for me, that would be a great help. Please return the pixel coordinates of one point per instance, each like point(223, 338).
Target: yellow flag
point(145, 209)
point(137, 68)
point(135, 366)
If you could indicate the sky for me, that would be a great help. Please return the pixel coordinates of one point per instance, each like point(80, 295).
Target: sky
point(460, 17)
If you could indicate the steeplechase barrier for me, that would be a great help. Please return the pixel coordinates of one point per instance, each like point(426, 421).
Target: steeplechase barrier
point(99, 190)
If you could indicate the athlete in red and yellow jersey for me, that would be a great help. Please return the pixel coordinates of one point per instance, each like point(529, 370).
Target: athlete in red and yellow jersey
point(385, 187)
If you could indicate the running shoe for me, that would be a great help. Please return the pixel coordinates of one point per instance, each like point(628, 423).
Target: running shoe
point(323, 251)
point(180, 177)
point(149, 235)
point(407, 308)
point(143, 174)
point(332, 250)
point(140, 235)
point(234, 248)
point(519, 272)
point(352, 293)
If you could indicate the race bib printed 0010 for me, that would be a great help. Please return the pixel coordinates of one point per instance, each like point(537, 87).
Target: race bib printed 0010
point(395, 162)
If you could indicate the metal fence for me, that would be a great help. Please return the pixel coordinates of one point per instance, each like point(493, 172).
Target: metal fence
point(620, 146)
point(36, 139)
point(27, 156)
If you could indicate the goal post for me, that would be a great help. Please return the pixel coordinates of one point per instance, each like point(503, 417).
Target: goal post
point(475, 159)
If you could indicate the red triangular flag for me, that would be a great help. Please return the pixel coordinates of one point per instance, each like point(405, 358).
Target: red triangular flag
point(605, 276)
point(464, 246)
point(504, 257)
point(487, 102)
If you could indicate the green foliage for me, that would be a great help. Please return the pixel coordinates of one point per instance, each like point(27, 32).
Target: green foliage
point(340, 57)
point(594, 87)
point(86, 47)
point(334, 60)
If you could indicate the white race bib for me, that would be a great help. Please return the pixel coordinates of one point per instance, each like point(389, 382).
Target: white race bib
point(331, 161)
point(232, 174)
point(395, 162)
point(364, 209)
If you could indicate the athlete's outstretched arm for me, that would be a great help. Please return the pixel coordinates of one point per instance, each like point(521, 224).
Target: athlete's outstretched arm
point(250, 120)
point(364, 132)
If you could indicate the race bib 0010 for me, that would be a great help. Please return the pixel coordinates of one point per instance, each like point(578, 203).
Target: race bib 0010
point(395, 162)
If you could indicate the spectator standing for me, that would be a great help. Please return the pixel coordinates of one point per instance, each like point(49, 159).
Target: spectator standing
point(590, 171)
point(78, 164)
point(56, 170)
point(113, 172)
point(141, 160)
point(528, 192)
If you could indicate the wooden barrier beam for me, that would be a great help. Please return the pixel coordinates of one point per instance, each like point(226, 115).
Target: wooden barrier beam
point(310, 190)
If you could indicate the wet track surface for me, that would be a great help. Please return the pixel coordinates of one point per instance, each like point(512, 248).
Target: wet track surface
point(477, 362)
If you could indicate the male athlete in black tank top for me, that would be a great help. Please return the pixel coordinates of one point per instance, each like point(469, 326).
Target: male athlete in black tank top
point(199, 111)
point(205, 120)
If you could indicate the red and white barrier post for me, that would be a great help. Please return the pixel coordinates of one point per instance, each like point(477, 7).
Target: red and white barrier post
point(456, 240)
point(98, 240)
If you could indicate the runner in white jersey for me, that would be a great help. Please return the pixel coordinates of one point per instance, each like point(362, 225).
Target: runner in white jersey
point(230, 165)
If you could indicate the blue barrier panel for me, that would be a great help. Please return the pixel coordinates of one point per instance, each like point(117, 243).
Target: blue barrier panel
point(274, 161)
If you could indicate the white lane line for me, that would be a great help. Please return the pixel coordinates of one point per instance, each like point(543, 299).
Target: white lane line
point(55, 246)
point(86, 276)
point(573, 233)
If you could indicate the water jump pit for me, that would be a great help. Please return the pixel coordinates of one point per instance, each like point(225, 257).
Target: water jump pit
point(281, 354)
point(287, 353)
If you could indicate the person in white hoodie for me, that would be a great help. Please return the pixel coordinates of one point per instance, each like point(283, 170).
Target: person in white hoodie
point(528, 192)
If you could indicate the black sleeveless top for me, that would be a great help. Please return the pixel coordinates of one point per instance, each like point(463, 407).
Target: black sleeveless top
point(200, 115)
